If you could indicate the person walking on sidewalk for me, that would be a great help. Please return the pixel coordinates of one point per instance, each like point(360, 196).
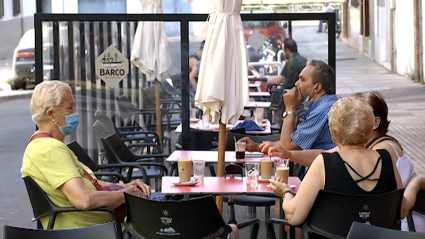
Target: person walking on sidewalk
point(326, 8)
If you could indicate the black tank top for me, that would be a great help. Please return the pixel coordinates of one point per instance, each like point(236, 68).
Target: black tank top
point(338, 178)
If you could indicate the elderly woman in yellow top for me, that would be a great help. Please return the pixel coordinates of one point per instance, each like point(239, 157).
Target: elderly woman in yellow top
point(57, 170)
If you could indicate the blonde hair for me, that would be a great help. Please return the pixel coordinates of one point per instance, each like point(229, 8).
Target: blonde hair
point(351, 121)
point(47, 95)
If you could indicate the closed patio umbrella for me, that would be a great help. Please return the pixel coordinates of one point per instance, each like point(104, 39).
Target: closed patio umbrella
point(222, 90)
point(150, 52)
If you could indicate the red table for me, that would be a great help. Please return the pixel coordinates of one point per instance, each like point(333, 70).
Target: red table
point(220, 186)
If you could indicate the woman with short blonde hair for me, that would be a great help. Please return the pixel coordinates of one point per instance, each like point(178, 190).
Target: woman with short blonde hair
point(351, 121)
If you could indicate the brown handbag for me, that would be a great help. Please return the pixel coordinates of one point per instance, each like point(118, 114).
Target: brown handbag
point(121, 210)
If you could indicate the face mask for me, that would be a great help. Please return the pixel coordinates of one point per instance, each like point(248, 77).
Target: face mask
point(72, 121)
point(309, 101)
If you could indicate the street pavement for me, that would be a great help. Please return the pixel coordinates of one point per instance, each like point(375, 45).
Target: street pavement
point(355, 73)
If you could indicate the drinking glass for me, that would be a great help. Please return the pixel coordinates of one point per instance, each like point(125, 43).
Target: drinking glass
point(258, 115)
point(199, 169)
point(185, 169)
point(240, 148)
point(282, 170)
point(266, 168)
point(251, 174)
point(193, 113)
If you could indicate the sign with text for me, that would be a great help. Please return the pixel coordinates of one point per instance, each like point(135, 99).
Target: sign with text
point(111, 66)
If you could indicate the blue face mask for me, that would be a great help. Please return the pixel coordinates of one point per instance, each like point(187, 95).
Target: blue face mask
point(72, 121)
point(309, 100)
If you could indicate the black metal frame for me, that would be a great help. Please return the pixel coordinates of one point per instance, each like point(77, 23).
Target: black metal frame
point(184, 20)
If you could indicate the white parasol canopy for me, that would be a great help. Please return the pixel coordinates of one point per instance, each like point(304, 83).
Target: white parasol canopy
point(222, 90)
point(150, 51)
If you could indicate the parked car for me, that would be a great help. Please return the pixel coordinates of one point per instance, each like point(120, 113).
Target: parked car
point(269, 29)
point(23, 64)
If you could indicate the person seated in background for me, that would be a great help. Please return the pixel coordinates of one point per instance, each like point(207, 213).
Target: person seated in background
point(56, 169)
point(350, 169)
point(378, 140)
point(193, 75)
point(316, 87)
point(194, 58)
point(293, 67)
point(195, 65)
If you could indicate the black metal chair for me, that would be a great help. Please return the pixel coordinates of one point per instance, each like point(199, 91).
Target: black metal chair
point(131, 134)
point(117, 153)
point(333, 213)
point(103, 231)
point(42, 206)
point(364, 231)
point(252, 202)
point(419, 207)
point(168, 108)
point(193, 218)
point(84, 158)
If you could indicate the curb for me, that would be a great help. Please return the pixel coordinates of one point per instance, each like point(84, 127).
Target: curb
point(19, 96)
point(390, 90)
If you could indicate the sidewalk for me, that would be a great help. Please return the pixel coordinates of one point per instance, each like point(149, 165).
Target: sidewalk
point(357, 73)
point(354, 71)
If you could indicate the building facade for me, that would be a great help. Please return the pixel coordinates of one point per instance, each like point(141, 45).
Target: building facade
point(390, 32)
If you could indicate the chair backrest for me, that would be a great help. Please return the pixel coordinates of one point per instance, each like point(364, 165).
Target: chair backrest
point(115, 149)
point(107, 122)
point(82, 156)
point(40, 202)
point(127, 109)
point(418, 207)
point(206, 140)
point(233, 169)
point(364, 231)
point(333, 213)
point(420, 202)
point(230, 139)
point(193, 218)
point(103, 231)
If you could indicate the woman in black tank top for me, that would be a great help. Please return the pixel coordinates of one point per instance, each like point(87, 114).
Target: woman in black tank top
point(353, 169)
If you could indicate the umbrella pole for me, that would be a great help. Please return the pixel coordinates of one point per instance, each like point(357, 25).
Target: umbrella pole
point(158, 112)
point(220, 161)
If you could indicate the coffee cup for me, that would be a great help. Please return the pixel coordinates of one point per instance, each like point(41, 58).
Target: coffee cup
point(266, 169)
point(185, 169)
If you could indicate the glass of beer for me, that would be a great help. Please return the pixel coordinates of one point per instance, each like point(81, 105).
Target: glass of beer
point(266, 168)
point(185, 169)
point(282, 170)
point(240, 148)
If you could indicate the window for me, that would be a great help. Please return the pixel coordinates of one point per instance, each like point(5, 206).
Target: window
point(1, 8)
point(16, 7)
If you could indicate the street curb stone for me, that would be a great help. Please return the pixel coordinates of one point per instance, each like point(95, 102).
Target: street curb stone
point(9, 97)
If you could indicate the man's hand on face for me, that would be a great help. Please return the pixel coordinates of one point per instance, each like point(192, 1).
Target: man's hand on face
point(292, 99)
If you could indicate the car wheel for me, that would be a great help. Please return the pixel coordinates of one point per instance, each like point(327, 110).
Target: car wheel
point(19, 84)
